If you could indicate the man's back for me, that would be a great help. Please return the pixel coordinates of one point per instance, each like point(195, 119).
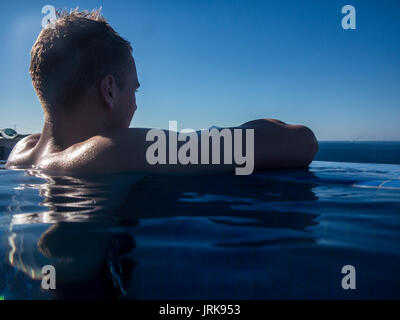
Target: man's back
point(94, 155)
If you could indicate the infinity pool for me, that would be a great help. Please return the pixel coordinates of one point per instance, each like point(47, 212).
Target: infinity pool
point(271, 235)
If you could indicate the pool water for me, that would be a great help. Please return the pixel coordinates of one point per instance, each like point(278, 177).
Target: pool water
point(273, 235)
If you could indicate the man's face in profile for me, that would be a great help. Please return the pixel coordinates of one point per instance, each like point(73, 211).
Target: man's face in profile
point(126, 103)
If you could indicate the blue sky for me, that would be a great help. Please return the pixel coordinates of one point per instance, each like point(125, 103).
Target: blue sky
point(224, 62)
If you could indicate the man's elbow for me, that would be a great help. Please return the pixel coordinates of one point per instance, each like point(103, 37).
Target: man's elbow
point(309, 145)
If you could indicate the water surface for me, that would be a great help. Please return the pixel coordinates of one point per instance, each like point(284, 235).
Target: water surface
point(279, 234)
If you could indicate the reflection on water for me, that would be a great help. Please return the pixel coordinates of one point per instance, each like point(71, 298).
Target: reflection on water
point(86, 253)
point(270, 235)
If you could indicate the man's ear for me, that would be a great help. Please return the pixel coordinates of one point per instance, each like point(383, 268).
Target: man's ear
point(108, 90)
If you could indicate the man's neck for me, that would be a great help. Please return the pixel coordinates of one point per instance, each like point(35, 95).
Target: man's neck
point(61, 133)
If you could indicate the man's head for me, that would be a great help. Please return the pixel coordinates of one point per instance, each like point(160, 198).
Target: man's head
point(80, 60)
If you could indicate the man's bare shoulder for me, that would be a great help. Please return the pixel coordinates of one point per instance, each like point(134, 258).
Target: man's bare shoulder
point(114, 151)
point(21, 153)
point(27, 143)
point(110, 152)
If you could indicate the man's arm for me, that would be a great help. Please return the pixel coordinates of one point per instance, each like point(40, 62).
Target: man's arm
point(276, 146)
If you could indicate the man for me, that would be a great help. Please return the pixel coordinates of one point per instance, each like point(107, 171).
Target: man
point(85, 77)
